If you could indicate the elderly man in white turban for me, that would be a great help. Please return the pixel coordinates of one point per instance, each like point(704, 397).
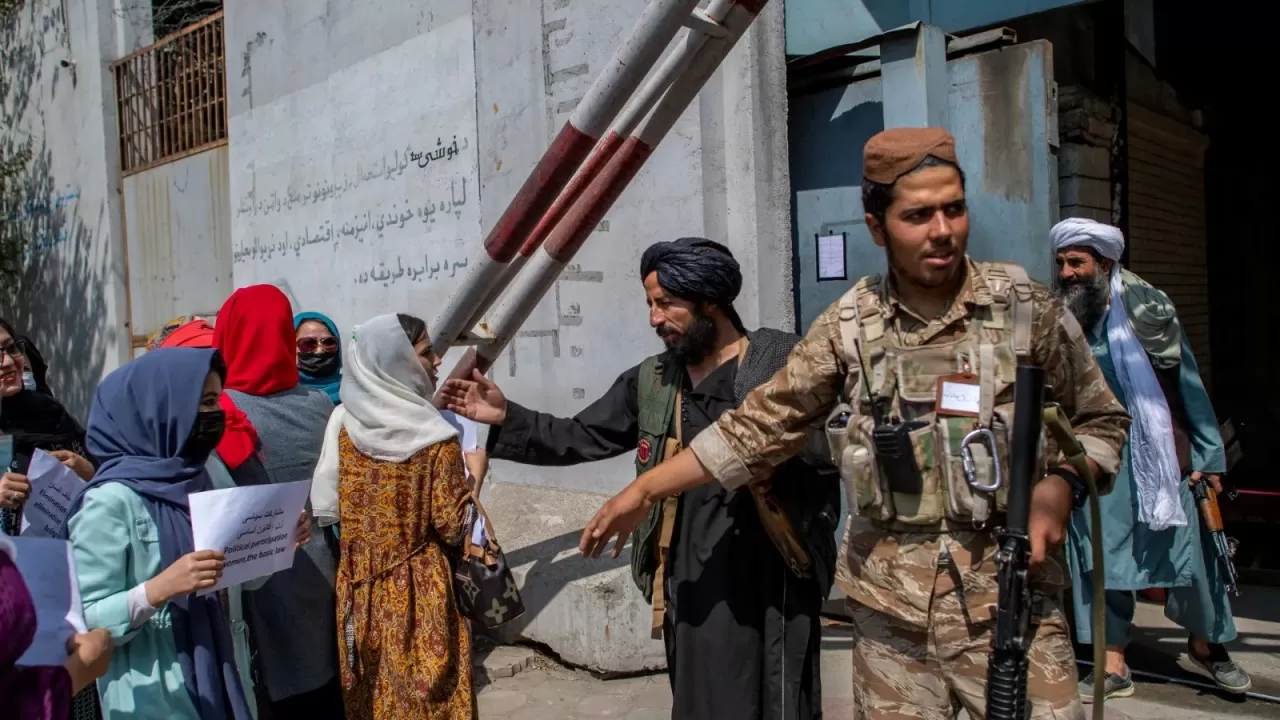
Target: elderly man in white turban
point(1150, 527)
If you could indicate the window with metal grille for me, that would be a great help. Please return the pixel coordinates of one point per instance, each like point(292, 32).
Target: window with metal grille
point(171, 97)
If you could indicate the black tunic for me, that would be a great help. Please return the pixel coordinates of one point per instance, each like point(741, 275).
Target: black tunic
point(741, 632)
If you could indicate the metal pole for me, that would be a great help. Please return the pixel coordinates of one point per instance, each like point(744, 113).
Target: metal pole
point(598, 197)
point(635, 57)
point(635, 111)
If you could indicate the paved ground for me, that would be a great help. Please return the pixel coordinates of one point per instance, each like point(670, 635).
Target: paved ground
point(520, 685)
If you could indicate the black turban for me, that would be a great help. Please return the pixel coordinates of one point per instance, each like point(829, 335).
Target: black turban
point(694, 269)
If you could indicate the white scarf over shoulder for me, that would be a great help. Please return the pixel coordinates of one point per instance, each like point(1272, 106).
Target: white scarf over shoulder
point(1152, 453)
point(386, 408)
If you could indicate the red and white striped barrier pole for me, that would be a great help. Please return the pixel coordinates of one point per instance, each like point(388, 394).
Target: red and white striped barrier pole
point(595, 200)
point(635, 57)
point(630, 118)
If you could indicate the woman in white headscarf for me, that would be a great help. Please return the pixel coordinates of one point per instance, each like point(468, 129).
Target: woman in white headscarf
point(391, 473)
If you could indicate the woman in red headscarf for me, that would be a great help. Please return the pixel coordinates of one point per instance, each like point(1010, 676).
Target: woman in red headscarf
point(291, 617)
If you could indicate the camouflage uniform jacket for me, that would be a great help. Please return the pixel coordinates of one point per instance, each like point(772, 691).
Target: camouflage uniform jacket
point(893, 572)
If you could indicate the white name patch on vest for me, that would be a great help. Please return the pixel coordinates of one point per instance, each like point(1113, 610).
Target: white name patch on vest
point(958, 395)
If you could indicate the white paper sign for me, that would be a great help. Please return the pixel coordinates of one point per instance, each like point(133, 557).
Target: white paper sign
point(253, 526)
point(49, 571)
point(466, 430)
point(470, 443)
point(831, 261)
point(960, 397)
point(53, 485)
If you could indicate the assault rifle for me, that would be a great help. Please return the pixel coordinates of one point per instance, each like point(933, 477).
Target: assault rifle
point(1207, 500)
point(1007, 665)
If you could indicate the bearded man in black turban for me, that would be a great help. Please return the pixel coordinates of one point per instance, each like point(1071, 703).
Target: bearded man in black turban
point(736, 578)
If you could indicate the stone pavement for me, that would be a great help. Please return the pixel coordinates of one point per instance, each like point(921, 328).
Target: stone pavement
point(518, 684)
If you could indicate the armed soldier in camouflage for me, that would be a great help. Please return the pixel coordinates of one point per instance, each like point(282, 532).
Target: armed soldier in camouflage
point(942, 336)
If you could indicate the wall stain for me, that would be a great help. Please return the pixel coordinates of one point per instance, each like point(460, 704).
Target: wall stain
point(1003, 90)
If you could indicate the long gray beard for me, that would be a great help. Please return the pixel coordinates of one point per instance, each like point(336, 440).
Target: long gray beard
point(1086, 299)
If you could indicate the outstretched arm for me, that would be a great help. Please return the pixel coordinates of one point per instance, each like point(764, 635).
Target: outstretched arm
point(770, 427)
point(604, 429)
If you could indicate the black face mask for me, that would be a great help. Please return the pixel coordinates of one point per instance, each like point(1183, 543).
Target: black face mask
point(205, 435)
point(318, 364)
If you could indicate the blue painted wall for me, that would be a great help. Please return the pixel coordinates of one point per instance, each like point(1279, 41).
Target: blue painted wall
point(1001, 108)
point(815, 25)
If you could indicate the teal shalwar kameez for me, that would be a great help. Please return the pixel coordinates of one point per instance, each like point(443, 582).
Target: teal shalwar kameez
point(1136, 557)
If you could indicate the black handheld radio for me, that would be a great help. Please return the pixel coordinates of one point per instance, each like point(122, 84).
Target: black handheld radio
point(891, 439)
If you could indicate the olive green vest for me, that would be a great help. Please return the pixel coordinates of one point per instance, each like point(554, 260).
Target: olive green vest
point(657, 388)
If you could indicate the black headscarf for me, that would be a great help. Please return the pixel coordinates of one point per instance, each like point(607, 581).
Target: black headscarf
point(39, 368)
point(694, 269)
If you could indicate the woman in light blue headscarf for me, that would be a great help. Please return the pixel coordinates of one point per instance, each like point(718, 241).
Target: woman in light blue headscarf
point(153, 424)
point(319, 353)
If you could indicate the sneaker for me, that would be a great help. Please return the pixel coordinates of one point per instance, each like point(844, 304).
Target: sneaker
point(1117, 686)
point(1221, 668)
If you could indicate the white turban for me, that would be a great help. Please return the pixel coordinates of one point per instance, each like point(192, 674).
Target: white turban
point(1104, 239)
point(1152, 454)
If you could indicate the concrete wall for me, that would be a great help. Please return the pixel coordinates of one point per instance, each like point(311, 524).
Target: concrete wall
point(178, 222)
point(330, 108)
point(1087, 124)
point(71, 295)
point(331, 105)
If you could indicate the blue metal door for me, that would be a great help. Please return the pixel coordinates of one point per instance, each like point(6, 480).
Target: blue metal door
point(1001, 106)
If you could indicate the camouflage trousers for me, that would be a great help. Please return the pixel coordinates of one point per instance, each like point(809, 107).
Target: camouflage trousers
point(904, 670)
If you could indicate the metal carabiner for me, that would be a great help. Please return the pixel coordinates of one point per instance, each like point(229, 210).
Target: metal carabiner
point(971, 469)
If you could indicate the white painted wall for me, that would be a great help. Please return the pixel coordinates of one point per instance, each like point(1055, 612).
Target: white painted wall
point(71, 297)
point(331, 103)
point(178, 221)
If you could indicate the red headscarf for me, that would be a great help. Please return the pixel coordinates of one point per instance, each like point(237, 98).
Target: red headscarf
point(240, 438)
point(255, 334)
point(194, 334)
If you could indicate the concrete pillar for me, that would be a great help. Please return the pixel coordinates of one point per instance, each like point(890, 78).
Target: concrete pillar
point(913, 72)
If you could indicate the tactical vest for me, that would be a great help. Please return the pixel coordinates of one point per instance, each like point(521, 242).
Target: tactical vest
point(949, 450)
point(657, 389)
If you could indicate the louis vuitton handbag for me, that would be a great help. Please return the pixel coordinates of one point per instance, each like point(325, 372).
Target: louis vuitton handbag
point(482, 583)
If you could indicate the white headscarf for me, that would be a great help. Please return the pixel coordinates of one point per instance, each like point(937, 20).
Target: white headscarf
point(386, 408)
point(1151, 450)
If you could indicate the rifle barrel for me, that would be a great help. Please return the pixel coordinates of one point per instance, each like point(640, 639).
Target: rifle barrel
point(1028, 412)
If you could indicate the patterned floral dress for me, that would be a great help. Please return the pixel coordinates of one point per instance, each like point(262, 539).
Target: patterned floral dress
point(405, 650)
